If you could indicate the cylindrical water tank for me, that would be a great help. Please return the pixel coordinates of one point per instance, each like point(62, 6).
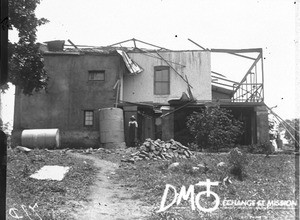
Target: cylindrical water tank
point(111, 125)
point(40, 138)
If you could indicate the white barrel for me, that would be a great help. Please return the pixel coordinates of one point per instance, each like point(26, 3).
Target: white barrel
point(111, 125)
point(40, 138)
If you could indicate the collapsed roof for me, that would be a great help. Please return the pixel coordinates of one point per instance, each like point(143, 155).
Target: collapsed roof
point(249, 89)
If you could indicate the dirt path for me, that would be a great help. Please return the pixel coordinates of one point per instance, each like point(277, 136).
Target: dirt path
point(108, 200)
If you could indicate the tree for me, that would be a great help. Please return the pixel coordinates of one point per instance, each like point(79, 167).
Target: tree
point(26, 68)
point(214, 128)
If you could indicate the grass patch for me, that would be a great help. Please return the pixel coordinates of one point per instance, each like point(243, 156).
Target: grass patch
point(54, 199)
point(265, 179)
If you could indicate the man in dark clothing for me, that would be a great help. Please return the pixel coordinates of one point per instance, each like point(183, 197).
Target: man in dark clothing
point(133, 125)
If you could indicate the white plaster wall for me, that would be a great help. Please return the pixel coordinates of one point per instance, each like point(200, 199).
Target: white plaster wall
point(140, 88)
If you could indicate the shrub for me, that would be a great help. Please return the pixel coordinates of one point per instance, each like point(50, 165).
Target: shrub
point(214, 128)
point(238, 161)
point(264, 148)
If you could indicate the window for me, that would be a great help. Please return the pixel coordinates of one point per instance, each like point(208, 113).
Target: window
point(97, 75)
point(88, 118)
point(161, 80)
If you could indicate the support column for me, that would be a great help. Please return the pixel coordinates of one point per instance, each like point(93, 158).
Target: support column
point(253, 127)
point(128, 112)
point(262, 125)
point(167, 123)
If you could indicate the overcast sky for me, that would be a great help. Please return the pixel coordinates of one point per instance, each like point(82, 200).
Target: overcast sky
point(236, 24)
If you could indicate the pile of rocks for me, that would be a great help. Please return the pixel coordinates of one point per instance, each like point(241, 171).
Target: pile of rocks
point(160, 150)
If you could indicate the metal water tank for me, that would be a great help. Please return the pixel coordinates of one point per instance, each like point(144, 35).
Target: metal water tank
point(40, 138)
point(111, 125)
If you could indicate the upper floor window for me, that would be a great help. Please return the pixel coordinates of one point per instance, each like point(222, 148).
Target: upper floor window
point(88, 118)
point(97, 75)
point(161, 80)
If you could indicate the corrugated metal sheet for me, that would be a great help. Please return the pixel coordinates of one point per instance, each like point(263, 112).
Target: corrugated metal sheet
point(132, 66)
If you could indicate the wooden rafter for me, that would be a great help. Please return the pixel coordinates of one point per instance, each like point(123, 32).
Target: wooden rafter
point(196, 44)
point(227, 80)
point(249, 71)
point(134, 42)
point(239, 55)
point(251, 50)
point(219, 74)
point(120, 42)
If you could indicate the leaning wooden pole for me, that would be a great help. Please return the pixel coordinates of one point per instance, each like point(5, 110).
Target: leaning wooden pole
point(173, 69)
point(297, 135)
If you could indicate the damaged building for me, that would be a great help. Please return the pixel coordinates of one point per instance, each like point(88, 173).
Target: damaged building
point(160, 87)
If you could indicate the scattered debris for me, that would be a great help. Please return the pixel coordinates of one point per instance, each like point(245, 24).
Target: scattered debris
point(173, 165)
point(196, 168)
point(51, 173)
point(226, 181)
point(160, 150)
point(201, 165)
point(131, 160)
point(23, 149)
point(221, 164)
point(203, 168)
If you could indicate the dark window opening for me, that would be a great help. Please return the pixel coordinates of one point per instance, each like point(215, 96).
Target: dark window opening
point(97, 75)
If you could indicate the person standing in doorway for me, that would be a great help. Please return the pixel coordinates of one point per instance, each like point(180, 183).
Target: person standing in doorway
point(133, 125)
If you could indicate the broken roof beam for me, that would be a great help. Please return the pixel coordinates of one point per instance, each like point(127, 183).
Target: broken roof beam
point(72, 44)
point(176, 109)
point(132, 66)
point(174, 69)
point(189, 89)
point(137, 103)
point(120, 42)
point(134, 42)
point(239, 55)
point(251, 50)
point(219, 74)
point(197, 44)
point(69, 45)
point(149, 44)
point(249, 71)
point(219, 50)
point(222, 84)
point(236, 53)
point(227, 80)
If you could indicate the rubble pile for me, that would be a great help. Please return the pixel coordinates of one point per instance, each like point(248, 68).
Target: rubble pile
point(160, 150)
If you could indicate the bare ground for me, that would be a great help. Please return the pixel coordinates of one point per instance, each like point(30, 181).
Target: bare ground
point(107, 199)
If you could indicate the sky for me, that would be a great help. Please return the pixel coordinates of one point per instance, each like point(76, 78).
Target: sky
point(233, 24)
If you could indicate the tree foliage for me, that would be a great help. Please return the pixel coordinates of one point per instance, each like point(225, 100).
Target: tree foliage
point(25, 61)
point(214, 128)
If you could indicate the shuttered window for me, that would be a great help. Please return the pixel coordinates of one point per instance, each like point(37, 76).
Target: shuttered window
point(161, 80)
